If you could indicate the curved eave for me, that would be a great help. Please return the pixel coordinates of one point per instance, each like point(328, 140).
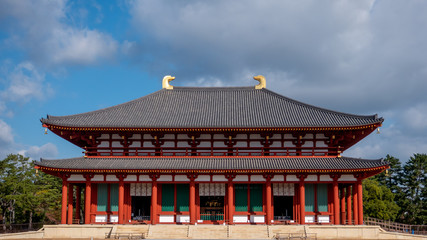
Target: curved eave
point(277, 171)
point(199, 129)
point(234, 164)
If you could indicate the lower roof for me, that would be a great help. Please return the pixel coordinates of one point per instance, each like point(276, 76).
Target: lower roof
point(232, 163)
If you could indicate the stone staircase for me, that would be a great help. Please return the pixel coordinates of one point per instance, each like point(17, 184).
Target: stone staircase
point(249, 232)
point(172, 231)
point(130, 229)
point(208, 231)
point(286, 229)
point(168, 231)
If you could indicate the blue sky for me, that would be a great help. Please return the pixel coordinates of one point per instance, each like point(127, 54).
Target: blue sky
point(66, 57)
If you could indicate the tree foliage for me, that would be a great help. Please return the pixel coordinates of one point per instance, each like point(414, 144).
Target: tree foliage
point(407, 188)
point(413, 183)
point(379, 201)
point(25, 193)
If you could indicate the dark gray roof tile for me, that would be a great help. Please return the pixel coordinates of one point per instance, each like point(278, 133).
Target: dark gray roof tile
point(183, 107)
point(212, 163)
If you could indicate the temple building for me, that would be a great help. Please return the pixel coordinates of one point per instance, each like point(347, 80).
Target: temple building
point(212, 155)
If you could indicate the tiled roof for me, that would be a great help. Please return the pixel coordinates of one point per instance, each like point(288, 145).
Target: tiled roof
point(212, 163)
point(183, 107)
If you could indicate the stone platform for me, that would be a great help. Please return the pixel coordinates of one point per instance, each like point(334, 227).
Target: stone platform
point(171, 231)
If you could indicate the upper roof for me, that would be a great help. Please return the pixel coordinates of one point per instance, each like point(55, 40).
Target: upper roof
point(213, 163)
point(208, 107)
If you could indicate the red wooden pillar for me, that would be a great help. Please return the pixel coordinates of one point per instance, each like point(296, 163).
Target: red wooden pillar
point(70, 204)
point(302, 202)
point(154, 199)
point(192, 201)
point(88, 194)
point(268, 200)
point(348, 195)
point(230, 200)
point(355, 205)
point(78, 199)
point(336, 203)
point(64, 202)
point(342, 205)
point(121, 198)
point(360, 201)
point(348, 199)
point(128, 208)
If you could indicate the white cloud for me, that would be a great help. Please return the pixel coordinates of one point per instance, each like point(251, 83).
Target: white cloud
point(25, 82)
point(47, 31)
point(9, 146)
point(6, 135)
point(47, 150)
point(81, 46)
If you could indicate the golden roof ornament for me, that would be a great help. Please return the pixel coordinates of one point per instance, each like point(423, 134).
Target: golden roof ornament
point(165, 82)
point(261, 80)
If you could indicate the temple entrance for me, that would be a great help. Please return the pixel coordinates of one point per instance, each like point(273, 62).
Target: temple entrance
point(212, 208)
point(141, 207)
point(212, 198)
point(283, 200)
point(283, 207)
point(141, 201)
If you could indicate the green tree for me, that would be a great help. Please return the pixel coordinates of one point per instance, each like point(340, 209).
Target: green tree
point(12, 171)
point(392, 177)
point(25, 193)
point(414, 181)
point(379, 201)
point(40, 194)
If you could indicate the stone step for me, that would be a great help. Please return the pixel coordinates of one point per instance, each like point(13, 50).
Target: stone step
point(208, 232)
point(165, 231)
point(142, 228)
point(286, 229)
point(201, 231)
point(249, 232)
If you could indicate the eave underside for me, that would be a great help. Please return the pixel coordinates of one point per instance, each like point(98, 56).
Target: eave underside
point(213, 164)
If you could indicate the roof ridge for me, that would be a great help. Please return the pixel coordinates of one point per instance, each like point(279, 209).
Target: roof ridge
point(215, 88)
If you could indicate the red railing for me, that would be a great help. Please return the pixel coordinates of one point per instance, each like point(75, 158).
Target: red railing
point(212, 217)
point(212, 151)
